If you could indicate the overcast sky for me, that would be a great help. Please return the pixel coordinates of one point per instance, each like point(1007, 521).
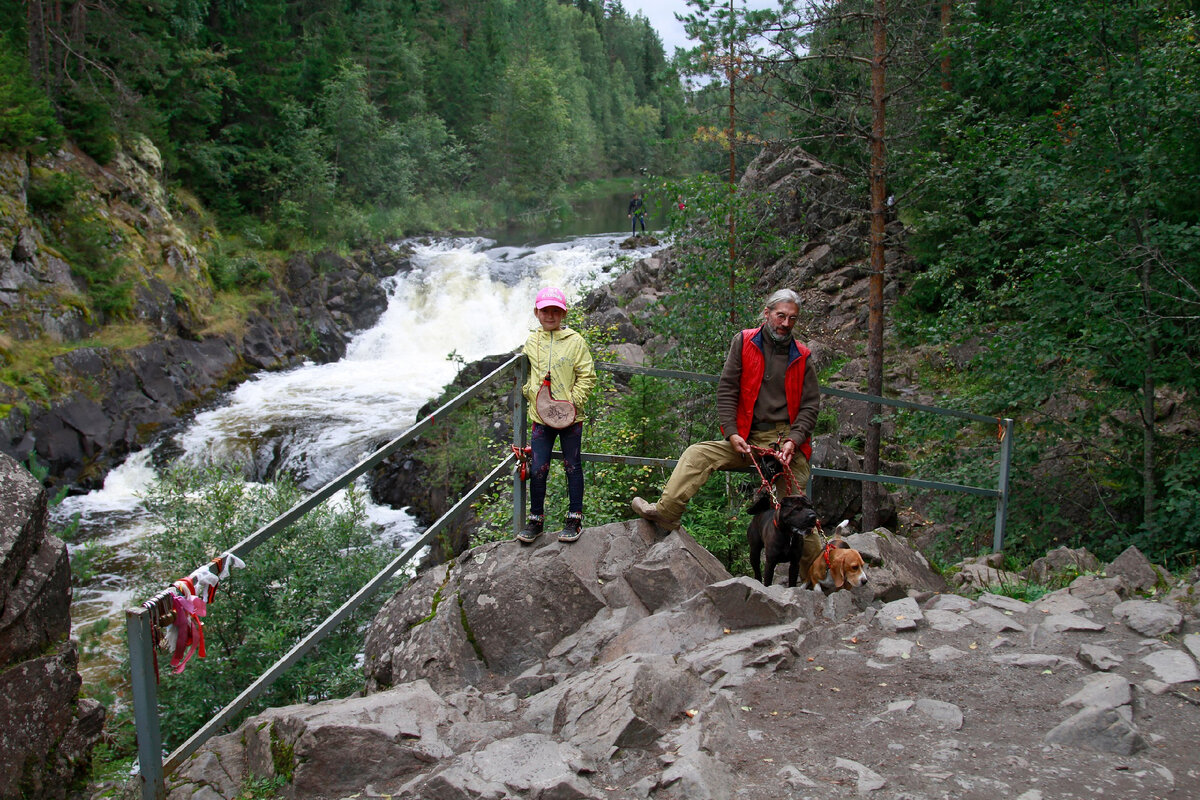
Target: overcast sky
point(661, 14)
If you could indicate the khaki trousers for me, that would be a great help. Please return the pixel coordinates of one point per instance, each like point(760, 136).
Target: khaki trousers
point(702, 459)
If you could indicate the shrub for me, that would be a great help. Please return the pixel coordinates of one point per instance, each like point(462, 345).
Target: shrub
point(288, 586)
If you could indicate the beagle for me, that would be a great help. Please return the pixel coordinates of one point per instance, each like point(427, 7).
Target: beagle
point(837, 566)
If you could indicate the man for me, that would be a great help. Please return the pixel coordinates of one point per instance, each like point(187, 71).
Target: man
point(637, 212)
point(768, 390)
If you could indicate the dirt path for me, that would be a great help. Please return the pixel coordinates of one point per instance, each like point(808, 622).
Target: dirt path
point(849, 718)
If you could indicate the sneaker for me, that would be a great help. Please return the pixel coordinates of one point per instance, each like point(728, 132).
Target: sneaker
point(572, 528)
point(532, 529)
point(650, 513)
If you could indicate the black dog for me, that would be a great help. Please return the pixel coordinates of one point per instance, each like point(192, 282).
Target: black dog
point(781, 533)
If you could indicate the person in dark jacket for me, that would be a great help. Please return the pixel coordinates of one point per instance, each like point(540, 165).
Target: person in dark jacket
point(637, 212)
point(767, 392)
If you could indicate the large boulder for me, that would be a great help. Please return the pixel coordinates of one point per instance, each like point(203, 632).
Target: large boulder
point(48, 731)
point(504, 607)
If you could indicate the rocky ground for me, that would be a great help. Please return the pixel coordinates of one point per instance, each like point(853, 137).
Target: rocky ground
point(631, 665)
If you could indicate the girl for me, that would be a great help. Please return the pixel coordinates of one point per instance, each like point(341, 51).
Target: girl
point(561, 353)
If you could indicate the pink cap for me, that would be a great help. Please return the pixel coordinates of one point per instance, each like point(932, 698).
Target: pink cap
point(550, 296)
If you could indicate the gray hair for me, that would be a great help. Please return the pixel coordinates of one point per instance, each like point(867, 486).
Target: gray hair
point(783, 296)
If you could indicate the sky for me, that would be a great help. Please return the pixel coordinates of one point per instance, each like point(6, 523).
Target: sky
point(661, 14)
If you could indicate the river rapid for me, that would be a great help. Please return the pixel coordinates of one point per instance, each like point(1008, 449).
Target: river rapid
point(463, 299)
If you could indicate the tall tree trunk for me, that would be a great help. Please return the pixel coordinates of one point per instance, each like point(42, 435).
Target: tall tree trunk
point(871, 491)
point(731, 73)
point(1149, 441)
point(945, 20)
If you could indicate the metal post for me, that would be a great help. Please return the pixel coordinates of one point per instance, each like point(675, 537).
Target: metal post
point(1006, 446)
point(145, 703)
point(520, 439)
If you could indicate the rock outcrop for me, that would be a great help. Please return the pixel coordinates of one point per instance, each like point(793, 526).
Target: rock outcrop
point(110, 400)
point(628, 665)
point(48, 731)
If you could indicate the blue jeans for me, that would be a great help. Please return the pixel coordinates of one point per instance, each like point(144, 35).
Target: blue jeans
point(542, 443)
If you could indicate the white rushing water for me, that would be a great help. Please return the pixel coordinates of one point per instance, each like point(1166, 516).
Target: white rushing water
point(465, 297)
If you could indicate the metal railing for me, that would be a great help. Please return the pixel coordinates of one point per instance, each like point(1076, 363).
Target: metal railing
point(142, 620)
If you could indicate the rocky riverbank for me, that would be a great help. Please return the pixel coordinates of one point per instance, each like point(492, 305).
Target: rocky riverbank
point(110, 400)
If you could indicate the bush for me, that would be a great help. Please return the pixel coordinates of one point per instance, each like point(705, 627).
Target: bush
point(288, 587)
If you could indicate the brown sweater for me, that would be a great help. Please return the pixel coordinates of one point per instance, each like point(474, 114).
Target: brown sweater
point(770, 409)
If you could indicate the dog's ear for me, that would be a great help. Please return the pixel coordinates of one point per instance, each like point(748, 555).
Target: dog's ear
point(837, 570)
point(760, 504)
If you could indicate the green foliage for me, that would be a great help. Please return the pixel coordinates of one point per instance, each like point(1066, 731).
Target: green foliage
point(286, 589)
point(26, 116)
point(230, 271)
point(87, 120)
point(51, 192)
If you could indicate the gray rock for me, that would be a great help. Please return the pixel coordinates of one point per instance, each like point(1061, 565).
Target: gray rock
point(1101, 729)
point(628, 703)
point(1058, 623)
point(899, 615)
point(391, 735)
point(945, 621)
point(893, 648)
point(949, 602)
point(1192, 642)
point(868, 779)
point(944, 653)
point(1135, 570)
point(1097, 591)
point(1061, 602)
point(1148, 618)
point(947, 714)
point(981, 575)
point(1059, 562)
point(1034, 660)
point(1098, 658)
point(1004, 603)
point(1173, 666)
point(701, 776)
point(47, 731)
point(993, 620)
point(729, 659)
point(531, 765)
point(743, 602)
point(1102, 691)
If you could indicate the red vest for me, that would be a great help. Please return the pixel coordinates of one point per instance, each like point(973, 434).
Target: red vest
point(754, 365)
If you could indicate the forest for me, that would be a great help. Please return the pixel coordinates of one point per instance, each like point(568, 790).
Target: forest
point(1045, 160)
point(312, 116)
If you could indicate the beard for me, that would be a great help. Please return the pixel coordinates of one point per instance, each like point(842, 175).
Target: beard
point(776, 335)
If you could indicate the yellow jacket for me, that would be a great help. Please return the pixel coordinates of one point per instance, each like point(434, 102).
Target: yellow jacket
point(572, 373)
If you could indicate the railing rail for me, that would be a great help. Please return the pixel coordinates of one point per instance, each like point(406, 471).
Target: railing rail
point(153, 768)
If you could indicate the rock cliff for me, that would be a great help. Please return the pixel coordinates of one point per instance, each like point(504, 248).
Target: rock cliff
point(48, 730)
point(99, 401)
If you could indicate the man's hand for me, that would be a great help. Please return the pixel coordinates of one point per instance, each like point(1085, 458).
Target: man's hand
point(739, 445)
point(786, 451)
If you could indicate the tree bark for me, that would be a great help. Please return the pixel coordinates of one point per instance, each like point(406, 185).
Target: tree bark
point(870, 490)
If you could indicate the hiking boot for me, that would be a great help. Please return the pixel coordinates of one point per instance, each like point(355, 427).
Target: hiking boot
point(572, 528)
point(532, 529)
point(650, 513)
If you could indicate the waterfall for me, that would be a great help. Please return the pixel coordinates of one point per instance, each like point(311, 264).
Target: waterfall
point(462, 300)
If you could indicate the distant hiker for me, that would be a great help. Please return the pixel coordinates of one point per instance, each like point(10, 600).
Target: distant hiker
point(767, 391)
point(561, 375)
point(637, 212)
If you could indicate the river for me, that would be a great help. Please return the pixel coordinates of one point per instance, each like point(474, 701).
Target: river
point(464, 299)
